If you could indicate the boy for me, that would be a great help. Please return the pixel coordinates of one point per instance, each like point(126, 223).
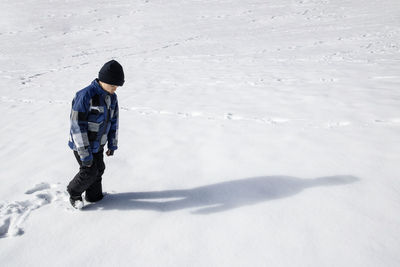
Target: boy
point(94, 122)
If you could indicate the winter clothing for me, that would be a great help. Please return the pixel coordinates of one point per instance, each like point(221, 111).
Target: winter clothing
point(94, 122)
point(88, 179)
point(112, 73)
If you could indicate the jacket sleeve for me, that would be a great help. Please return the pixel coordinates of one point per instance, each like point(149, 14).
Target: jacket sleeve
point(79, 127)
point(112, 137)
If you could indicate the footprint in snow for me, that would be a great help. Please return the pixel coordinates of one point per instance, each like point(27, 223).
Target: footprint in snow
point(13, 215)
point(38, 187)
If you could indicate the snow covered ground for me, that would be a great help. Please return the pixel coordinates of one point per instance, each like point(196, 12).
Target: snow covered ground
point(252, 133)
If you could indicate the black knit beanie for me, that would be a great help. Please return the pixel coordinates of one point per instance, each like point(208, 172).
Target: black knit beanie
point(112, 73)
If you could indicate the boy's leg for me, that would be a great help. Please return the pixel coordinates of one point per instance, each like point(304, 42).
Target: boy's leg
point(82, 180)
point(95, 191)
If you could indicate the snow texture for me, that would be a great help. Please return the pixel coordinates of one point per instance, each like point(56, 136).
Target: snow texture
point(252, 133)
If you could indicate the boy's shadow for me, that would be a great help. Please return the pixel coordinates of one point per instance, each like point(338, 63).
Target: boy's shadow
point(217, 197)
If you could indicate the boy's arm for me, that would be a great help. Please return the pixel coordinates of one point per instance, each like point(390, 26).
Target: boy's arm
point(79, 128)
point(112, 137)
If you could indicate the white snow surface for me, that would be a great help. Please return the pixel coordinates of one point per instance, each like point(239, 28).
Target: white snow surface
point(252, 133)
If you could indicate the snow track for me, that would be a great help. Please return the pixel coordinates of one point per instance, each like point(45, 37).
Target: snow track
point(228, 116)
point(14, 215)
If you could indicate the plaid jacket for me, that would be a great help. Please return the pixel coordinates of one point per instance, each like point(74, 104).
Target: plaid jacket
point(94, 121)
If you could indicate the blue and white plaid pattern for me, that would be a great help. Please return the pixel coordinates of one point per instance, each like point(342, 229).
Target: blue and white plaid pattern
point(94, 121)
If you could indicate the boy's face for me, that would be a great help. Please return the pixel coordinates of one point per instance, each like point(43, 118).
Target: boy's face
point(109, 87)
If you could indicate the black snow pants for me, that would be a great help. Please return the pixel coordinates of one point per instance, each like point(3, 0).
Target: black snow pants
point(88, 179)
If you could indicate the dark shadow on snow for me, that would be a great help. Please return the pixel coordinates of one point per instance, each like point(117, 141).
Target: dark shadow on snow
point(217, 197)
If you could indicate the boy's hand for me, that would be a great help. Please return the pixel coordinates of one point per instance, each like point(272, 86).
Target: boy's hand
point(110, 153)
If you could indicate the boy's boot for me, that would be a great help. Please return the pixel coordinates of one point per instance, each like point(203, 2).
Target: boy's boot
point(76, 203)
point(75, 200)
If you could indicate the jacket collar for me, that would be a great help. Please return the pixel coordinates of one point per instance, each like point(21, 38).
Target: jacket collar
point(98, 88)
